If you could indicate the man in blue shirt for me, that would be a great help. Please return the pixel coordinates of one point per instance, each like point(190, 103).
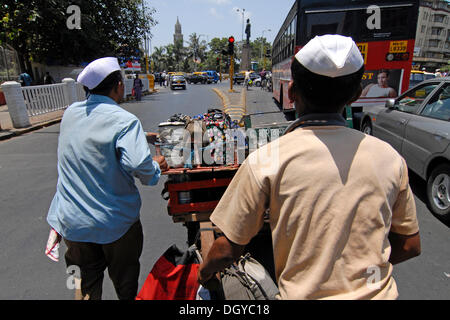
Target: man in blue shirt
point(101, 149)
point(25, 79)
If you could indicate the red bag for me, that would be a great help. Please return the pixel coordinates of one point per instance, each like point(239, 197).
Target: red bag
point(133, 92)
point(173, 277)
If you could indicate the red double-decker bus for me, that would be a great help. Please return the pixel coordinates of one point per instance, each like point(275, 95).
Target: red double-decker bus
point(383, 30)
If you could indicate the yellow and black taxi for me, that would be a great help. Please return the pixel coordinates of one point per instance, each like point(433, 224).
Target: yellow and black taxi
point(177, 81)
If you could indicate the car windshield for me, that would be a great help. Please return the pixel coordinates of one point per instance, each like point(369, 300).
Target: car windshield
point(413, 99)
point(178, 78)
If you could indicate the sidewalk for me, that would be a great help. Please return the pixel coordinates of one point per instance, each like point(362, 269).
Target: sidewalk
point(7, 130)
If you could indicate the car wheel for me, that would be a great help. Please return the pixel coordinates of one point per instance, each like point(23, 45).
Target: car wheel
point(438, 191)
point(367, 128)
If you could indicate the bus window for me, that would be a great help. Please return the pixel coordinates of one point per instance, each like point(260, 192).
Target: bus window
point(353, 22)
point(326, 23)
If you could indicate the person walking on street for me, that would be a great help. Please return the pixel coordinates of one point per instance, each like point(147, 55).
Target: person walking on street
point(167, 79)
point(137, 86)
point(101, 150)
point(163, 78)
point(341, 209)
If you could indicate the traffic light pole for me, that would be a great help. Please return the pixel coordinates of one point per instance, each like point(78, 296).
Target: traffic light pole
point(220, 69)
point(231, 72)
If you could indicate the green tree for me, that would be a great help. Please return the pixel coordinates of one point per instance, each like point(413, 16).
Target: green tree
point(196, 52)
point(258, 50)
point(37, 29)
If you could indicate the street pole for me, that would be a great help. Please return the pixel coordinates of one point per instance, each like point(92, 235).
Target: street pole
point(220, 69)
point(262, 48)
point(231, 72)
point(243, 18)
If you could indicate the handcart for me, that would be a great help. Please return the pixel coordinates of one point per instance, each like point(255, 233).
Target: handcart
point(193, 194)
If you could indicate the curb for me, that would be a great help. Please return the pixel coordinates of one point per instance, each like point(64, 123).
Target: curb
point(19, 132)
point(225, 100)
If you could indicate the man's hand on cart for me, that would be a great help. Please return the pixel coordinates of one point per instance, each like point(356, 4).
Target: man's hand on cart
point(153, 138)
point(162, 162)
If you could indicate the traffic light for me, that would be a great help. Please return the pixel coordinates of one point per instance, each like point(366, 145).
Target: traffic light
point(268, 53)
point(217, 61)
point(231, 45)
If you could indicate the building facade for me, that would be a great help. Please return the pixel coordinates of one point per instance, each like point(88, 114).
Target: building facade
point(432, 45)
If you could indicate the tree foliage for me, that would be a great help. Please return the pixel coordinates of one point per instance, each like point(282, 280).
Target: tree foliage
point(206, 54)
point(37, 29)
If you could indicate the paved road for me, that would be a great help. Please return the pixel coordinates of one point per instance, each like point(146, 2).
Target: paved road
point(28, 179)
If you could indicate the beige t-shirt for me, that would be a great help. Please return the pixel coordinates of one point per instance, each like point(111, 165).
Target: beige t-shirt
point(334, 194)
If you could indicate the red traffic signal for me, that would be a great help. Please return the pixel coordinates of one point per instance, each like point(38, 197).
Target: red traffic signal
point(231, 45)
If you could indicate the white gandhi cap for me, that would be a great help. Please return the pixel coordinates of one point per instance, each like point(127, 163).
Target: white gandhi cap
point(331, 55)
point(96, 71)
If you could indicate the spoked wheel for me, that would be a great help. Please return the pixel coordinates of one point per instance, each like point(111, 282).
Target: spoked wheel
point(438, 191)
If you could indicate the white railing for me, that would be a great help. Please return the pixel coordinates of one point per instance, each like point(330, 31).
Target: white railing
point(81, 94)
point(43, 99)
point(25, 102)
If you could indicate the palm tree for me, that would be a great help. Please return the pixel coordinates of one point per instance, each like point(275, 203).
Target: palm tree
point(158, 58)
point(197, 48)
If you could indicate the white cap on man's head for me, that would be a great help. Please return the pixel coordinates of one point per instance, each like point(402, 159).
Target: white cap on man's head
point(96, 71)
point(331, 55)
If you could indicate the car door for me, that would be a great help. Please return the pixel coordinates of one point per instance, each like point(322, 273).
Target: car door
point(390, 123)
point(428, 134)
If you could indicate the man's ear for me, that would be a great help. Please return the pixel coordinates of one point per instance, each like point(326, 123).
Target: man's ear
point(357, 95)
point(291, 92)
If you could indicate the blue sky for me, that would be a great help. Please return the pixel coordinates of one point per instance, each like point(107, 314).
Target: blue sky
point(217, 18)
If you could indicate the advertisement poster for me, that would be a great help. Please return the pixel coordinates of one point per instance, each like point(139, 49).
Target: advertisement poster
point(379, 86)
point(383, 83)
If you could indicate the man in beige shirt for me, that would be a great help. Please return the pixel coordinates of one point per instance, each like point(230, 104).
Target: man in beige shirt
point(341, 209)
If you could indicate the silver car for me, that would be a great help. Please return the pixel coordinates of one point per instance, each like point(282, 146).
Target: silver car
point(417, 125)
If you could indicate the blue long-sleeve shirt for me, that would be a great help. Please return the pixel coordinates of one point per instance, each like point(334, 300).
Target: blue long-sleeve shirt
point(101, 149)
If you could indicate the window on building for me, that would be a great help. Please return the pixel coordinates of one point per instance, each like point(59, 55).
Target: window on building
point(432, 43)
point(439, 18)
point(436, 31)
point(423, 29)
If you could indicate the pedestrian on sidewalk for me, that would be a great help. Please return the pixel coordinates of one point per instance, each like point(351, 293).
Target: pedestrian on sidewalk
point(137, 86)
point(25, 79)
point(48, 79)
point(341, 208)
point(101, 150)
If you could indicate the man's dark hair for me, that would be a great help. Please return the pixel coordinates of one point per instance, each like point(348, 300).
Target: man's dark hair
point(323, 94)
point(108, 84)
point(384, 71)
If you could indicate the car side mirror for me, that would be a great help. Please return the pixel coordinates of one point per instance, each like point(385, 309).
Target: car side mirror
point(390, 104)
